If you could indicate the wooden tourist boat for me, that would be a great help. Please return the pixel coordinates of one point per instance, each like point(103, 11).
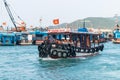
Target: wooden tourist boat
point(67, 44)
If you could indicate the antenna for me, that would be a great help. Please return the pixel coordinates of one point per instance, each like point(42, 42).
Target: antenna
point(116, 19)
point(84, 24)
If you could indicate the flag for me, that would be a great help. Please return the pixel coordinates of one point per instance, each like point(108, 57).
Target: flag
point(56, 21)
point(40, 20)
point(4, 24)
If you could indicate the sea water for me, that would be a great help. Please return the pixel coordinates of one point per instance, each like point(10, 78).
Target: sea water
point(23, 63)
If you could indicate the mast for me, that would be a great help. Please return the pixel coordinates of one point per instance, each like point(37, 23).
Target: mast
point(84, 24)
point(10, 14)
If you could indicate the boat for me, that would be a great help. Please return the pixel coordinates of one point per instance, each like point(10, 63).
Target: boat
point(7, 39)
point(38, 36)
point(64, 43)
point(116, 35)
point(24, 38)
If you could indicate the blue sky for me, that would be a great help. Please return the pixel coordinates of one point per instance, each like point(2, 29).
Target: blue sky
point(66, 10)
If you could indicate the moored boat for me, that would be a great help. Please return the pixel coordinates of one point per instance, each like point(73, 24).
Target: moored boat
point(116, 35)
point(7, 39)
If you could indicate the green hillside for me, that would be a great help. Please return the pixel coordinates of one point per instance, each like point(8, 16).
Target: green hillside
point(91, 22)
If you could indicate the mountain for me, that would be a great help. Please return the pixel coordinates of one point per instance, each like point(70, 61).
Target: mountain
point(91, 22)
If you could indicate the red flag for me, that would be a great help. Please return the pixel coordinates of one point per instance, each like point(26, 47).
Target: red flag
point(56, 21)
point(4, 23)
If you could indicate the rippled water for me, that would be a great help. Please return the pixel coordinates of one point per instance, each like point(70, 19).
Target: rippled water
point(23, 63)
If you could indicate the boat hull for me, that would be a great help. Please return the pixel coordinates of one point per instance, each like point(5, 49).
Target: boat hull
point(78, 55)
point(117, 41)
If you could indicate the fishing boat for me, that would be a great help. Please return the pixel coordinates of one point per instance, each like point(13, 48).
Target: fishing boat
point(64, 43)
point(116, 35)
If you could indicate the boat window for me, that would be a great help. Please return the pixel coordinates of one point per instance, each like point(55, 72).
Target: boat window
point(39, 37)
point(54, 36)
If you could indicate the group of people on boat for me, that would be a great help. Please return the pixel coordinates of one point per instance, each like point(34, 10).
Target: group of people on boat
point(77, 43)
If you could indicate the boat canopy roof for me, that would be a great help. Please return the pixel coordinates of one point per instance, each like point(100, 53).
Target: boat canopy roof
point(7, 34)
point(89, 33)
point(82, 30)
point(39, 32)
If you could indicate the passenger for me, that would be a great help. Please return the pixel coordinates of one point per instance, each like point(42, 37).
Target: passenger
point(65, 42)
point(51, 39)
point(71, 42)
point(78, 43)
point(88, 41)
point(46, 41)
point(75, 43)
point(59, 42)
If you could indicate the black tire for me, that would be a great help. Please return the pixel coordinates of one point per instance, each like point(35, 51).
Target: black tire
point(76, 49)
point(54, 53)
point(59, 54)
point(93, 50)
point(84, 50)
point(68, 54)
point(88, 50)
point(73, 54)
point(102, 47)
point(40, 54)
point(97, 49)
point(64, 54)
point(39, 47)
point(79, 49)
